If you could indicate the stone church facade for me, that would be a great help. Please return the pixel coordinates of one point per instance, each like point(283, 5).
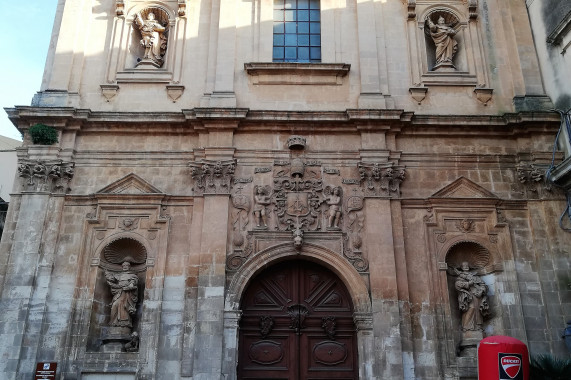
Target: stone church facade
point(306, 189)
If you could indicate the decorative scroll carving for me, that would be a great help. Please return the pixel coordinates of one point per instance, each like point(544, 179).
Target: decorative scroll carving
point(119, 8)
point(381, 180)
point(49, 176)
point(240, 255)
point(240, 218)
point(411, 5)
point(212, 177)
point(297, 314)
point(262, 170)
point(153, 26)
point(328, 324)
point(266, 325)
point(473, 8)
point(182, 8)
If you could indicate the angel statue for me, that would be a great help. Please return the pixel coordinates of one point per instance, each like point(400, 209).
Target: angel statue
point(124, 289)
point(472, 298)
point(443, 36)
point(153, 39)
point(333, 197)
point(262, 199)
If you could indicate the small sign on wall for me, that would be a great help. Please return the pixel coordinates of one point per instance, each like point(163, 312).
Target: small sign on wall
point(45, 371)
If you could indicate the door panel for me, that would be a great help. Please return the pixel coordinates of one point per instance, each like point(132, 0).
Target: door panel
point(297, 323)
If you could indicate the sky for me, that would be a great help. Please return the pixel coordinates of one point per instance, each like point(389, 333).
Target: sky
point(28, 25)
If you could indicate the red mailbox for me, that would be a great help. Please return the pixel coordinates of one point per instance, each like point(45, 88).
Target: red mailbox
point(502, 358)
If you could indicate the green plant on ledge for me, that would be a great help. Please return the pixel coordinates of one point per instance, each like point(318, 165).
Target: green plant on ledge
point(42, 134)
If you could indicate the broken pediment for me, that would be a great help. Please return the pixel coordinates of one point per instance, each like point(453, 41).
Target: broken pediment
point(463, 188)
point(130, 184)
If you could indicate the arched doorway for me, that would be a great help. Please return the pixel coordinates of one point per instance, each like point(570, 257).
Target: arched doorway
point(297, 323)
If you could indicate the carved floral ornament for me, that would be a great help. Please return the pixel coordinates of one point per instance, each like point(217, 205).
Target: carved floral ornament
point(48, 176)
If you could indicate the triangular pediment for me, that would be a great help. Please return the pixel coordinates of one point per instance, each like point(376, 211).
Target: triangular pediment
point(463, 188)
point(130, 184)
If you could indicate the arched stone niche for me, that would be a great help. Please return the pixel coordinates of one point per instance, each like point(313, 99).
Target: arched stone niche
point(452, 21)
point(136, 48)
point(117, 251)
point(469, 261)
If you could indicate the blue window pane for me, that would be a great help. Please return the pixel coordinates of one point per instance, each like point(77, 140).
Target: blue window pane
point(315, 40)
point(303, 54)
point(302, 4)
point(278, 53)
point(315, 15)
point(315, 53)
point(290, 53)
point(302, 40)
point(290, 15)
point(278, 15)
point(278, 40)
point(278, 27)
point(314, 28)
point(291, 40)
point(279, 4)
point(314, 4)
point(302, 15)
point(290, 27)
point(303, 27)
point(290, 4)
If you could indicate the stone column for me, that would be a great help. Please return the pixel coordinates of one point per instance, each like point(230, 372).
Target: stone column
point(20, 287)
point(384, 289)
point(230, 356)
point(28, 263)
point(374, 84)
point(211, 280)
point(223, 95)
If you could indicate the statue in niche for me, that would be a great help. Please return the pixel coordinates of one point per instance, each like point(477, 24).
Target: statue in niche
point(446, 46)
point(153, 40)
point(333, 199)
point(262, 199)
point(124, 289)
point(472, 298)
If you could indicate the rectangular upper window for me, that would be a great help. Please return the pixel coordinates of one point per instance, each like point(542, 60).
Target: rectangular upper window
point(297, 31)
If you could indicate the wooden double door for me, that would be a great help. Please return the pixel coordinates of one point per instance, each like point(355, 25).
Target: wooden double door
point(297, 324)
